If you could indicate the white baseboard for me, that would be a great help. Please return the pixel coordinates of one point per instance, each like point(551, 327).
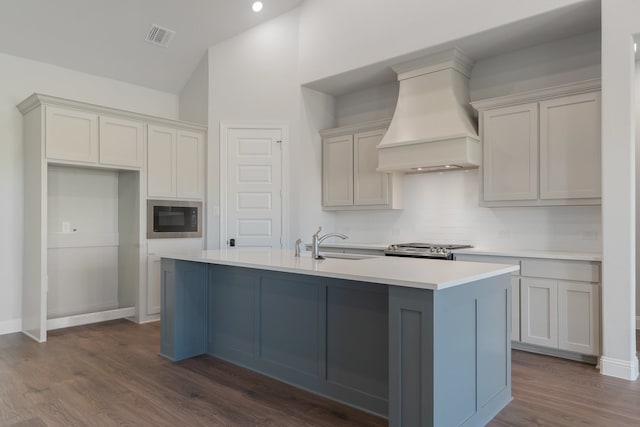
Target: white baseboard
point(625, 369)
point(10, 326)
point(85, 319)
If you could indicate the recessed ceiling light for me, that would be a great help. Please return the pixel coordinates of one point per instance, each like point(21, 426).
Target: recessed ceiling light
point(257, 6)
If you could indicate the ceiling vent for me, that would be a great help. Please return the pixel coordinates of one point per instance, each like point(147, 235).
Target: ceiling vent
point(159, 35)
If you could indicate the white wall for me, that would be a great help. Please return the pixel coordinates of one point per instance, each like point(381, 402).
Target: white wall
point(338, 36)
point(254, 77)
point(549, 64)
point(193, 100)
point(619, 25)
point(366, 105)
point(20, 78)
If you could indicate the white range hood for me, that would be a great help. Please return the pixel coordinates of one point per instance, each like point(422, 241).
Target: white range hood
point(433, 127)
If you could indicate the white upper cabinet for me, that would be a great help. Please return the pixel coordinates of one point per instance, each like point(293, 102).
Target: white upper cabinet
point(71, 135)
point(370, 186)
point(350, 180)
point(510, 154)
point(190, 164)
point(542, 148)
point(337, 171)
point(570, 147)
point(121, 142)
point(175, 163)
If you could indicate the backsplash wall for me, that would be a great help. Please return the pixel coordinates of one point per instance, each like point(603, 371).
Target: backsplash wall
point(444, 207)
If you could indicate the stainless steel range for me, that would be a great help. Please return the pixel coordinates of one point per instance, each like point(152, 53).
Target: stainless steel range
point(423, 250)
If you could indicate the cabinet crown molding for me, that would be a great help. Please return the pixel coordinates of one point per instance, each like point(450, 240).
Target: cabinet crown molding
point(38, 99)
point(538, 94)
point(358, 127)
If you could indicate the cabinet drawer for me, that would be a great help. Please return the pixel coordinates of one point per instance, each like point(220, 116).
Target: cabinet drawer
point(561, 269)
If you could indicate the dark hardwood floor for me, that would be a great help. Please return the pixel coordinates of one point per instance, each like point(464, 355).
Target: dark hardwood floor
point(110, 374)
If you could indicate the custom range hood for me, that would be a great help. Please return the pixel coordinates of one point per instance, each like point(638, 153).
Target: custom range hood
point(433, 127)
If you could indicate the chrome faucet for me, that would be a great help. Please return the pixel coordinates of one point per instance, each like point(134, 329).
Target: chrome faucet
point(316, 239)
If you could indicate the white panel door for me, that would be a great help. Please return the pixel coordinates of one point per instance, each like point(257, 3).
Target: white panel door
point(71, 135)
point(539, 299)
point(337, 171)
point(190, 165)
point(510, 153)
point(370, 187)
point(570, 147)
point(579, 317)
point(161, 161)
point(254, 187)
point(121, 142)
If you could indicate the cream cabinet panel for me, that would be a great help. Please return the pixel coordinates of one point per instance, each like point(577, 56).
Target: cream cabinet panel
point(337, 171)
point(515, 308)
point(190, 164)
point(161, 161)
point(370, 186)
point(539, 316)
point(579, 316)
point(71, 135)
point(121, 142)
point(570, 147)
point(510, 153)
point(153, 284)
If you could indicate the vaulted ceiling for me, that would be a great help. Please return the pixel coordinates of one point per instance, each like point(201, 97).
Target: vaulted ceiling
point(107, 37)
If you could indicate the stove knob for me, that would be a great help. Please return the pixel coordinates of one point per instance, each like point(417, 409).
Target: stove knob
point(393, 247)
point(439, 250)
point(432, 250)
point(445, 251)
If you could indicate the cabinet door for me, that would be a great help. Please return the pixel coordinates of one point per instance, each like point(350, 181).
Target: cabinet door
point(154, 279)
point(121, 142)
point(570, 147)
point(515, 308)
point(337, 171)
point(578, 317)
point(71, 135)
point(161, 162)
point(510, 153)
point(370, 187)
point(190, 164)
point(539, 316)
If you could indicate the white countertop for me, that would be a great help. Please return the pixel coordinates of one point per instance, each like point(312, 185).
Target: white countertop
point(522, 253)
point(397, 271)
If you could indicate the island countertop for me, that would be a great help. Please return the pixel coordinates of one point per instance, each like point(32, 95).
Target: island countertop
point(397, 271)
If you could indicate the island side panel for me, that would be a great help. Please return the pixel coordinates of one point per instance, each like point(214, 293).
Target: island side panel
point(449, 353)
point(183, 324)
point(410, 357)
point(472, 351)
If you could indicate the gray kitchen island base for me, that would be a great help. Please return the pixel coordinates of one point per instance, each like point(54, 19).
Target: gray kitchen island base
point(420, 357)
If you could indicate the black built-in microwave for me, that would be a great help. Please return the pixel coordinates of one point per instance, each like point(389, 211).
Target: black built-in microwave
point(173, 219)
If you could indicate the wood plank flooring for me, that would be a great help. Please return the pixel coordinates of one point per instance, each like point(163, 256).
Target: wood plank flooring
point(110, 374)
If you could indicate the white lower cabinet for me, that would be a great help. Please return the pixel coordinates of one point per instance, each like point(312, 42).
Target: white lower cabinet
point(153, 284)
point(579, 317)
point(515, 308)
point(539, 311)
point(555, 303)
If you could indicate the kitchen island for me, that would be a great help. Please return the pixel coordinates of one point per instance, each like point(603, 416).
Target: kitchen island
point(424, 342)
